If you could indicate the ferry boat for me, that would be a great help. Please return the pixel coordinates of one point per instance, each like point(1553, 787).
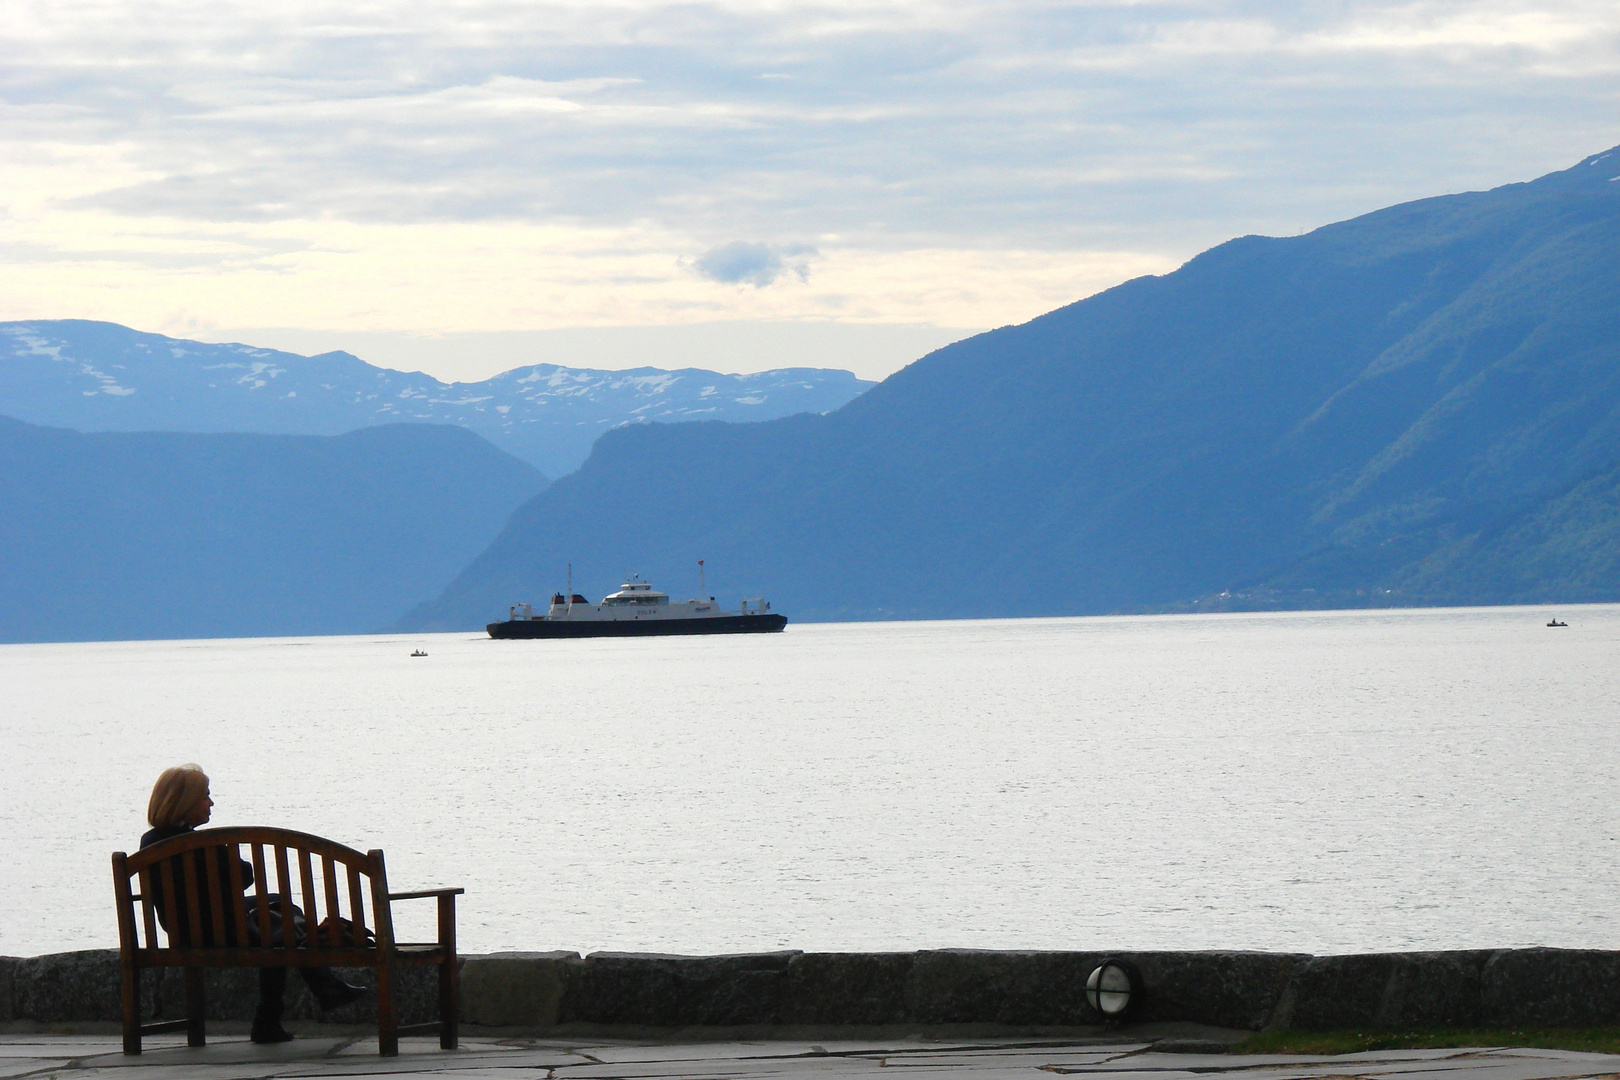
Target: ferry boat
point(636, 610)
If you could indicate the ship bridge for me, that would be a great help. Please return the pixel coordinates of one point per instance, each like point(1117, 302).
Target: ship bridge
point(636, 591)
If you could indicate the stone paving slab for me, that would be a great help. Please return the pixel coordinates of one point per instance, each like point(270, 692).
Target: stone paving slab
point(610, 1053)
point(1564, 1055)
point(1414, 1055)
point(425, 1065)
point(27, 1050)
point(196, 1071)
point(960, 1073)
point(224, 1050)
point(494, 1072)
point(21, 1066)
point(1023, 1058)
point(1497, 1069)
point(775, 1067)
point(1374, 1067)
point(56, 1045)
point(423, 1056)
point(504, 1053)
point(891, 1050)
point(1543, 1065)
point(1474, 1069)
point(233, 1057)
point(1147, 1060)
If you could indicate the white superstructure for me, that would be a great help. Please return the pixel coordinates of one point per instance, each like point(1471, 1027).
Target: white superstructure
point(635, 601)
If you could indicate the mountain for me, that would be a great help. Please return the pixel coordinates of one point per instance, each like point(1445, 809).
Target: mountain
point(1416, 406)
point(97, 376)
point(160, 535)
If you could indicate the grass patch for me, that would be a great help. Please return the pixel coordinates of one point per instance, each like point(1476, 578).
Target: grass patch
point(1604, 1040)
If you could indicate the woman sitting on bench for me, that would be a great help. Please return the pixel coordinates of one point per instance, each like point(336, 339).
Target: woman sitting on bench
point(181, 802)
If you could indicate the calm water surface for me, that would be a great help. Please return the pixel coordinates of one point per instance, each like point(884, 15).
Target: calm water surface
point(1323, 782)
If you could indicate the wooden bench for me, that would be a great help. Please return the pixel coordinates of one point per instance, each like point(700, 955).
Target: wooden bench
point(331, 880)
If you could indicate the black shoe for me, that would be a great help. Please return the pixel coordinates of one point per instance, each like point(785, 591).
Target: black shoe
point(337, 993)
point(270, 1032)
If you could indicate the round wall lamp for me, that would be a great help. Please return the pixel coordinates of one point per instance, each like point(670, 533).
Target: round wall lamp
point(1114, 989)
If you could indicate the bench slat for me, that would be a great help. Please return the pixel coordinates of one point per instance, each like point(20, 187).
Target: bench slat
point(216, 910)
point(238, 887)
point(188, 877)
point(329, 879)
point(312, 906)
point(261, 892)
point(289, 940)
point(148, 909)
point(356, 904)
point(171, 904)
point(256, 957)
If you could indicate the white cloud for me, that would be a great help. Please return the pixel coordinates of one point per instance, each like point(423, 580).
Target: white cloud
point(743, 263)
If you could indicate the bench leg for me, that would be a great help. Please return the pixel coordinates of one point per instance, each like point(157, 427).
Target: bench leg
point(449, 1005)
point(129, 993)
point(387, 1012)
point(449, 976)
point(195, 1036)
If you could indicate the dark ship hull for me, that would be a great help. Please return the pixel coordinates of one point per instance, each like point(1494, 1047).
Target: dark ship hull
point(767, 623)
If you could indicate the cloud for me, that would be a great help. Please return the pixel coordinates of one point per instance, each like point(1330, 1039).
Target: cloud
point(896, 123)
point(759, 265)
point(488, 164)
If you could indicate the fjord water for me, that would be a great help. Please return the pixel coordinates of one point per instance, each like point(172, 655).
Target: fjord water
point(1323, 782)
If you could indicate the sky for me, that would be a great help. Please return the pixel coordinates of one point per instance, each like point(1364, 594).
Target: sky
point(463, 186)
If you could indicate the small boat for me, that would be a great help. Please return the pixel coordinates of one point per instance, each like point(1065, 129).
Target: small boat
point(418, 652)
point(1555, 622)
point(636, 610)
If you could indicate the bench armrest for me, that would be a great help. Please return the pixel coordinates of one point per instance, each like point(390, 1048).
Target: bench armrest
point(447, 920)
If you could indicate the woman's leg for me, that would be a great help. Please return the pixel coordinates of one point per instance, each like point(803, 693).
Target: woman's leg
point(267, 1016)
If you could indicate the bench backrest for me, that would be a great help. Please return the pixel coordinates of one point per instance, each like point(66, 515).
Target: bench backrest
point(193, 891)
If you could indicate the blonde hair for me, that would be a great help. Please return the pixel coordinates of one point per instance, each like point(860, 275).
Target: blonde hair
point(176, 792)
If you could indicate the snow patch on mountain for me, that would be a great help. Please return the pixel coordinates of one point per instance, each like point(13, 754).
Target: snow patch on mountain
point(57, 373)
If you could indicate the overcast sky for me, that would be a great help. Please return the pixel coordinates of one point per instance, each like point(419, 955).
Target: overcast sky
point(465, 185)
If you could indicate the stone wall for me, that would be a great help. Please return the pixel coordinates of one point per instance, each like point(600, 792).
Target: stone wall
point(1539, 987)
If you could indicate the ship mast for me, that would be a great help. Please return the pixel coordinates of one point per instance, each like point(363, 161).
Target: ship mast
point(703, 590)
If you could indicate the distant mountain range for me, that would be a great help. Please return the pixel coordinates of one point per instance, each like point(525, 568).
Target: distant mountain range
point(1417, 406)
point(160, 535)
point(97, 376)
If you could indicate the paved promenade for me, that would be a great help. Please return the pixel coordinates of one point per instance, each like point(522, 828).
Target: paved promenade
point(97, 1057)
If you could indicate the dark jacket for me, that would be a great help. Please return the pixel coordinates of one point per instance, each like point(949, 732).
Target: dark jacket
point(227, 898)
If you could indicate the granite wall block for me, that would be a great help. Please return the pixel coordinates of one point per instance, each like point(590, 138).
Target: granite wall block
point(8, 965)
point(1385, 990)
point(973, 986)
point(1225, 989)
point(676, 991)
point(519, 989)
point(84, 986)
point(67, 986)
point(845, 988)
point(1551, 988)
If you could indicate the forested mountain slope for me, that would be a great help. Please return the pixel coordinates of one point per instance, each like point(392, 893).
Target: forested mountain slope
point(161, 535)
